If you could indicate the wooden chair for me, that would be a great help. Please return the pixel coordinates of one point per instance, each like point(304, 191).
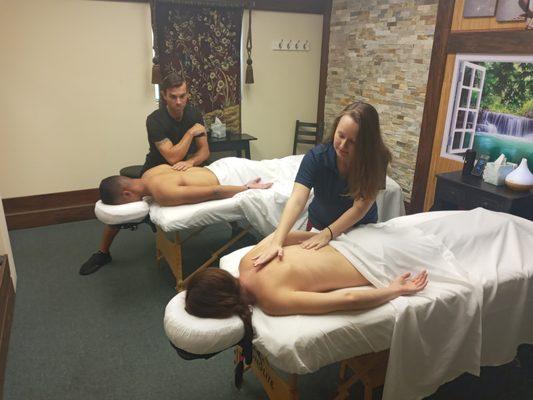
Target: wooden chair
point(308, 133)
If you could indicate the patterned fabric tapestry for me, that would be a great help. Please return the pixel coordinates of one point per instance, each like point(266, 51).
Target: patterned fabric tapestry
point(202, 44)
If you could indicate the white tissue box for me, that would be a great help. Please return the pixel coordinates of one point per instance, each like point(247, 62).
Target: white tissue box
point(218, 131)
point(495, 174)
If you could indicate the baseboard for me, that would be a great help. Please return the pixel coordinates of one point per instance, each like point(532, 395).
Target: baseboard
point(7, 302)
point(49, 209)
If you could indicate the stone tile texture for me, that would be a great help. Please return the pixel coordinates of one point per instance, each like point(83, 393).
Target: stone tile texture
point(379, 52)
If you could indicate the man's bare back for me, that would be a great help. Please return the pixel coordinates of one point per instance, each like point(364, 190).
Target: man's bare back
point(170, 187)
point(194, 176)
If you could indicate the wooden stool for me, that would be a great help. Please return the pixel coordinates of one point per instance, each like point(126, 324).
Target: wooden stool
point(370, 369)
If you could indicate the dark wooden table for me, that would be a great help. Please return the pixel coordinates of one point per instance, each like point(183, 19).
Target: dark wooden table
point(455, 191)
point(238, 142)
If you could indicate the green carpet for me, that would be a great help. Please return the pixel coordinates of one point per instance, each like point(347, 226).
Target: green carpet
point(101, 336)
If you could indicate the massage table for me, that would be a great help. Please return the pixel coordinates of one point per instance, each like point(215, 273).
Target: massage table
point(493, 250)
point(256, 210)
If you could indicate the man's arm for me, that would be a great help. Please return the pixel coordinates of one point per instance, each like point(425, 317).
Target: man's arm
point(175, 153)
point(177, 195)
point(198, 157)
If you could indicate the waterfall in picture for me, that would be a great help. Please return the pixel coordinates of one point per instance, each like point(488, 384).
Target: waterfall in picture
point(505, 124)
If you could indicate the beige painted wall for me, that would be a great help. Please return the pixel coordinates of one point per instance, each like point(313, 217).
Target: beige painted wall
point(75, 92)
point(286, 83)
point(5, 244)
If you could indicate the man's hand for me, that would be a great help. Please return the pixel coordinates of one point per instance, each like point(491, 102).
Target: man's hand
point(255, 184)
point(196, 130)
point(318, 241)
point(183, 165)
point(406, 286)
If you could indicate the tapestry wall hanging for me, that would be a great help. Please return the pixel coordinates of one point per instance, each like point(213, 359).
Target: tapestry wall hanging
point(202, 44)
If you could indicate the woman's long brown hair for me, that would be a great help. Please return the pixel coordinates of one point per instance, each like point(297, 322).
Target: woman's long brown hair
point(368, 168)
point(215, 293)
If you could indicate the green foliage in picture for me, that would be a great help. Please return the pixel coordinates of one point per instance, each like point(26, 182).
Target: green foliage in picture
point(508, 88)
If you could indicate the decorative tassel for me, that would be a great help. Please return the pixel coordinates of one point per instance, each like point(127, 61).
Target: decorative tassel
point(249, 78)
point(249, 72)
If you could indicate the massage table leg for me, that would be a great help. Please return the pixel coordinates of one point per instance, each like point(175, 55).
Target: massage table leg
point(170, 250)
point(276, 387)
point(370, 369)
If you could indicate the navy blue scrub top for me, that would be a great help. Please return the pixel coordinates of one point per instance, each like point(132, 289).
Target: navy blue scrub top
point(319, 171)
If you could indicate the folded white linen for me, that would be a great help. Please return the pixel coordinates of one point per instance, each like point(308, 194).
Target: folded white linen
point(265, 207)
point(432, 340)
point(468, 255)
point(238, 171)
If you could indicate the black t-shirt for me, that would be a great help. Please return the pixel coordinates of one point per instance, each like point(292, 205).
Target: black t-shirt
point(160, 125)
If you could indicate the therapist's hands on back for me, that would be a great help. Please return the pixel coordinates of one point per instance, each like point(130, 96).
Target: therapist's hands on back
point(183, 165)
point(317, 241)
point(271, 251)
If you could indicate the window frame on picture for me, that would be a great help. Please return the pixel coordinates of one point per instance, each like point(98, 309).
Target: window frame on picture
point(453, 108)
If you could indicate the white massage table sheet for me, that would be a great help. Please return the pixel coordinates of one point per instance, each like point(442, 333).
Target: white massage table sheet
point(262, 208)
point(500, 262)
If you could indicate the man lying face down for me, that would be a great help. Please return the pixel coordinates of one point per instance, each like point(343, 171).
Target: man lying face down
point(295, 283)
point(172, 188)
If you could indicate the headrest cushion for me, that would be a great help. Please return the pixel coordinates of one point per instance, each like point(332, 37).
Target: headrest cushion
point(200, 335)
point(121, 214)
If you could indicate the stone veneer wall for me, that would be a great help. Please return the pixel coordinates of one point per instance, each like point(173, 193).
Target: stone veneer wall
point(379, 52)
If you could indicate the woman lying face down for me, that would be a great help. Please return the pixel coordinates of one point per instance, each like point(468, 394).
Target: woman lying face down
point(301, 282)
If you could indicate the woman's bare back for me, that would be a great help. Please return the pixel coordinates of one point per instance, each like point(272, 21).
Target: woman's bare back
point(301, 269)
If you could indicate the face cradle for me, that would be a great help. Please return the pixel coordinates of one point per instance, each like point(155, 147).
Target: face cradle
point(344, 138)
point(176, 99)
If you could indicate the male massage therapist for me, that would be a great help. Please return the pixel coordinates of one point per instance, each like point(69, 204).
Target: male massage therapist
point(177, 137)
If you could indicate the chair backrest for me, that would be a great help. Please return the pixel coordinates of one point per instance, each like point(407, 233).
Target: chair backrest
point(308, 133)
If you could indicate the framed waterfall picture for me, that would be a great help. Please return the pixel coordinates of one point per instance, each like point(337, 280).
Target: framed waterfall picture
point(490, 108)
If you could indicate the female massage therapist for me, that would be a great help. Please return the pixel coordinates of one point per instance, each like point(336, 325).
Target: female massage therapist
point(346, 174)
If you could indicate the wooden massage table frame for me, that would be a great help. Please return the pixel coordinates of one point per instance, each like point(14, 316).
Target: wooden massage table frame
point(369, 368)
point(171, 251)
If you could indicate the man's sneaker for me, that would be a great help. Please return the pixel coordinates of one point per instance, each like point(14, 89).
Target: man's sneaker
point(94, 263)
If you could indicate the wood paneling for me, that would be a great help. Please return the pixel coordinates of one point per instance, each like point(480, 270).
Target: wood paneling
point(497, 42)
point(7, 302)
point(49, 209)
point(440, 164)
point(484, 23)
point(324, 59)
point(431, 104)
